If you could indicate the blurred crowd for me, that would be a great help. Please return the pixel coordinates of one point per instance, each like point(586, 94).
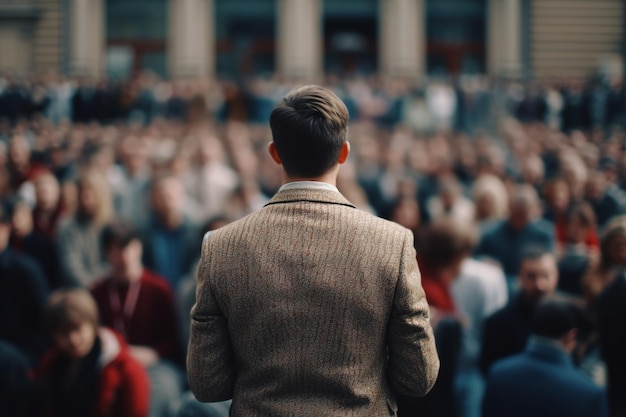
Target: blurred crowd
point(515, 191)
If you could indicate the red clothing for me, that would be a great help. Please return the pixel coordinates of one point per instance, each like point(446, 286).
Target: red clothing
point(591, 240)
point(437, 293)
point(124, 388)
point(152, 321)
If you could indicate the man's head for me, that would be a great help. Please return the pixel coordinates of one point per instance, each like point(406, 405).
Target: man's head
point(167, 197)
point(309, 129)
point(523, 206)
point(539, 275)
point(558, 320)
point(123, 249)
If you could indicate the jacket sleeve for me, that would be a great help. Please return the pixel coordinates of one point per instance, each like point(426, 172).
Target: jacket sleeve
point(413, 364)
point(210, 359)
point(135, 393)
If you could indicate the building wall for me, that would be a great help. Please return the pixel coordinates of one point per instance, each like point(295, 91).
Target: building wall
point(48, 53)
point(574, 37)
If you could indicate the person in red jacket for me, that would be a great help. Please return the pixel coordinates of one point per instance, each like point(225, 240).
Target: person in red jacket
point(89, 372)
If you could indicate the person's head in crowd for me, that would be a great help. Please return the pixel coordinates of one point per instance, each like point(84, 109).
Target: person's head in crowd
point(443, 245)
point(21, 219)
point(523, 206)
point(533, 170)
point(557, 319)
point(557, 196)
point(406, 212)
point(613, 243)
point(19, 153)
point(449, 191)
point(580, 220)
point(94, 198)
point(575, 174)
point(309, 131)
point(47, 191)
point(122, 245)
point(72, 319)
point(596, 186)
point(610, 168)
point(539, 275)
point(490, 198)
point(167, 197)
point(6, 213)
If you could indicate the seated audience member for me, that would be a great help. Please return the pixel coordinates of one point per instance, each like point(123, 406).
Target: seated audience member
point(170, 240)
point(451, 202)
point(506, 240)
point(89, 371)
point(42, 248)
point(506, 331)
point(140, 306)
point(611, 311)
point(23, 292)
point(542, 380)
point(576, 251)
point(17, 390)
point(607, 200)
point(612, 258)
point(82, 258)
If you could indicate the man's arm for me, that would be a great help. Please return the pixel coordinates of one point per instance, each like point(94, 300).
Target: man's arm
point(413, 364)
point(210, 359)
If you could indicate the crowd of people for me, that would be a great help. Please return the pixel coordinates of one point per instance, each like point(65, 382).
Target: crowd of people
point(515, 192)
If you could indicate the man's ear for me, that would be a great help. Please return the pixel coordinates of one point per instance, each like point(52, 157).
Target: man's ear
point(345, 151)
point(274, 153)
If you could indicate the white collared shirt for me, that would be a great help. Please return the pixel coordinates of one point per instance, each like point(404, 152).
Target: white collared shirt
point(316, 185)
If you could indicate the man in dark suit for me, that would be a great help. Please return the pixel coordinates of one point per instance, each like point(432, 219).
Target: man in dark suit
point(542, 381)
point(309, 306)
point(506, 331)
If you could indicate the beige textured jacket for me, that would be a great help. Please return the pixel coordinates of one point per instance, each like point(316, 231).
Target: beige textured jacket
point(310, 307)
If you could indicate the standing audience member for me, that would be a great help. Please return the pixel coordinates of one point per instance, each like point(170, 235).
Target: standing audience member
point(82, 258)
point(542, 380)
point(505, 332)
point(89, 371)
point(23, 292)
point(140, 306)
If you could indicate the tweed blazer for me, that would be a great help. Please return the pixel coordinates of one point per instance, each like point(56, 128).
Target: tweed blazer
point(310, 307)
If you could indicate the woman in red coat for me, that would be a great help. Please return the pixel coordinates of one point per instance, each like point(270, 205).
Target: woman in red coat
point(89, 372)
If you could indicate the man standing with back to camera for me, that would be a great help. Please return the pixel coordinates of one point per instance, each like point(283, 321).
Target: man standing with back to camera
point(310, 307)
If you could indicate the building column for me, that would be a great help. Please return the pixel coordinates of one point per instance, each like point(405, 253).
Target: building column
point(402, 38)
point(504, 38)
point(87, 33)
point(191, 38)
point(299, 38)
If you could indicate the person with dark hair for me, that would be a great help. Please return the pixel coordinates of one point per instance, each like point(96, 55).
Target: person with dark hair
point(310, 306)
point(90, 371)
point(542, 380)
point(506, 331)
point(140, 306)
point(23, 291)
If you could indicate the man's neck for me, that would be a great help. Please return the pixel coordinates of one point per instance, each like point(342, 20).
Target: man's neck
point(329, 177)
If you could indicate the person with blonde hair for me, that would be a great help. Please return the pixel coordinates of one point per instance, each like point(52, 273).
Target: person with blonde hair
point(82, 258)
point(490, 199)
point(89, 371)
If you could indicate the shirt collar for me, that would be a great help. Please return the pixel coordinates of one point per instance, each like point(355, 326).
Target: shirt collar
point(317, 185)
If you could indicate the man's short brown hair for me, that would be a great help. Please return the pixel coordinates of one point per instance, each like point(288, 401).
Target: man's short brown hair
point(309, 127)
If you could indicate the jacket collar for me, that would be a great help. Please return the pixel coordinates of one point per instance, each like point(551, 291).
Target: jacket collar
point(312, 195)
point(547, 351)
